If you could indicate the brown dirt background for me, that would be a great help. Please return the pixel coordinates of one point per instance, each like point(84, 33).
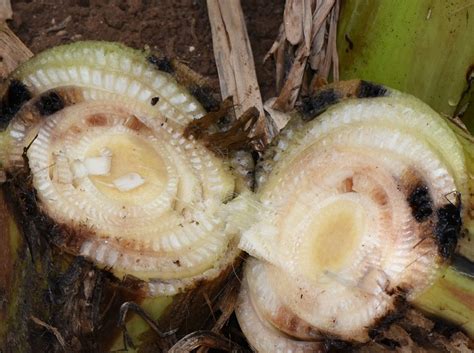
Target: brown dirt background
point(177, 28)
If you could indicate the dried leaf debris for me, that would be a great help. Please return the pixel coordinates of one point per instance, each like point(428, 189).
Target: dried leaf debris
point(12, 50)
point(235, 63)
point(304, 52)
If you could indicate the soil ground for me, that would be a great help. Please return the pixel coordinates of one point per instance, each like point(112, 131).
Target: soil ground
point(177, 28)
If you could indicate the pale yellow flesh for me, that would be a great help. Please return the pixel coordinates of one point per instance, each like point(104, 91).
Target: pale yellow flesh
point(335, 234)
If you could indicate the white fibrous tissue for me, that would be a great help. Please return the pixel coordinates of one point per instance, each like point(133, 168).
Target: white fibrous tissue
point(129, 182)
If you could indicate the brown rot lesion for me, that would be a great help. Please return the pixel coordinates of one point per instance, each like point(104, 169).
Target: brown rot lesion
point(49, 103)
point(326, 96)
point(448, 227)
point(15, 96)
point(222, 133)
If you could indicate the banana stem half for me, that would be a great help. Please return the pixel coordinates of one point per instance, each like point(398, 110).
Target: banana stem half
point(363, 210)
point(120, 203)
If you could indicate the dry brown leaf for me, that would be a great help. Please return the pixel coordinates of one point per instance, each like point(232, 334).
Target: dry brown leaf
point(234, 59)
point(5, 10)
point(289, 93)
point(279, 118)
point(331, 22)
point(278, 50)
point(12, 50)
point(277, 43)
point(321, 14)
point(280, 66)
point(317, 48)
point(293, 21)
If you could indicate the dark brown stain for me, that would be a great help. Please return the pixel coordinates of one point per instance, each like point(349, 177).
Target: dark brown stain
point(320, 100)
point(290, 324)
point(350, 44)
point(234, 137)
point(448, 227)
point(97, 120)
point(371, 90)
point(314, 105)
point(380, 197)
point(347, 185)
point(420, 202)
point(397, 312)
point(134, 123)
point(162, 63)
point(49, 103)
point(76, 129)
point(441, 226)
point(16, 95)
point(200, 127)
point(155, 100)
point(37, 108)
point(204, 96)
point(470, 73)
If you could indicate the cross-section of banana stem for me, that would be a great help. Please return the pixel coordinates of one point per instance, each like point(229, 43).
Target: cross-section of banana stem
point(419, 47)
point(364, 212)
point(131, 209)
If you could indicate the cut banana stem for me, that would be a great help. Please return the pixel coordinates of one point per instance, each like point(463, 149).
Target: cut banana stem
point(95, 131)
point(361, 210)
point(114, 168)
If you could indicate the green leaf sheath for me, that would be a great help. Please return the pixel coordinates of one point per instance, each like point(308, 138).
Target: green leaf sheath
point(420, 47)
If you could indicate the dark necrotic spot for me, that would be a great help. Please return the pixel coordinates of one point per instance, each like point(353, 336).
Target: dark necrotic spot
point(205, 97)
point(314, 105)
point(49, 103)
point(420, 203)
point(162, 63)
point(15, 96)
point(370, 90)
point(334, 345)
point(97, 120)
point(155, 100)
point(349, 42)
point(448, 228)
point(389, 343)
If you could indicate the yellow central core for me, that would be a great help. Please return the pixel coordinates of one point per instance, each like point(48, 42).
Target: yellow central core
point(130, 154)
point(334, 236)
